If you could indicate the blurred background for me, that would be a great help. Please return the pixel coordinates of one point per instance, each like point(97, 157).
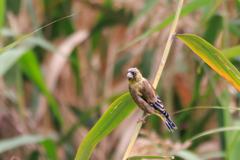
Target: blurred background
point(57, 83)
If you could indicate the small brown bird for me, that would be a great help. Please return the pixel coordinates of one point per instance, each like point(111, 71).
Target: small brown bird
point(145, 96)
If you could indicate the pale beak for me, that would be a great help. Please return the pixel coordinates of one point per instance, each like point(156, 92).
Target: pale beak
point(129, 75)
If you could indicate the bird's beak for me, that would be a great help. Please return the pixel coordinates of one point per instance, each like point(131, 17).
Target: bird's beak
point(129, 75)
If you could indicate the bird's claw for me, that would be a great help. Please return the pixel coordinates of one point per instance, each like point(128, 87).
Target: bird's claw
point(141, 119)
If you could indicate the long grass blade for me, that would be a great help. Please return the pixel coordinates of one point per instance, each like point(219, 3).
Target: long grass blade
point(190, 7)
point(209, 107)
point(223, 129)
point(21, 39)
point(2, 15)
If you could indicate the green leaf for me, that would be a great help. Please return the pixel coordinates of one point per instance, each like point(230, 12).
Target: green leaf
point(231, 52)
point(114, 115)
point(190, 7)
point(31, 68)
point(223, 129)
point(187, 155)
point(8, 59)
point(2, 14)
point(213, 58)
point(210, 107)
point(233, 149)
point(21, 39)
point(12, 143)
point(50, 148)
point(150, 157)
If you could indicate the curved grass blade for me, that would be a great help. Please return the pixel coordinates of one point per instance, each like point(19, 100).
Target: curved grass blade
point(2, 14)
point(29, 64)
point(231, 52)
point(7, 60)
point(12, 143)
point(187, 155)
point(210, 107)
point(213, 57)
point(114, 115)
point(223, 129)
point(21, 39)
point(190, 7)
point(150, 157)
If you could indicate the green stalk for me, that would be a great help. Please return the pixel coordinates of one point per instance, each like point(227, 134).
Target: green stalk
point(229, 149)
point(226, 114)
point(159, 73)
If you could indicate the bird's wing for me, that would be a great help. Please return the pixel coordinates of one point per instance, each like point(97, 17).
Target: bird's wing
point(149, 94)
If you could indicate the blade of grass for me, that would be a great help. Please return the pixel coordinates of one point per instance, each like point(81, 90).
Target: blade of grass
point(7, 60)
point(50, 148)
point(190, 7)
point(21, 39)
point(113, 116)
point(158, 75)
point(231, 52)
point(150, 157)
point(2, 15)
point(31, 68)
point(213, 58)
point(33, 16)
point(223, 129)
point(209, 107)
point(187, 155)
point(8, 144)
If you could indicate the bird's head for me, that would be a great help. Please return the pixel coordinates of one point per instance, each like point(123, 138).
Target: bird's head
point(134, 75)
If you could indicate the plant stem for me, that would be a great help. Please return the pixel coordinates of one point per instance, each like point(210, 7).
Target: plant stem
point(159, 73)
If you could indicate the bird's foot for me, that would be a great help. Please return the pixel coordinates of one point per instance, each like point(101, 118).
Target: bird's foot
point(141, 119)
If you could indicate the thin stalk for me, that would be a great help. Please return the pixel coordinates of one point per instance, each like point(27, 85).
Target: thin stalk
point(229, 149)
point(158, 75)
point(226, 114)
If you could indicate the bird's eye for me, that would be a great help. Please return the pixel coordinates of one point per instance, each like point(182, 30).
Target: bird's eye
point(134, 74)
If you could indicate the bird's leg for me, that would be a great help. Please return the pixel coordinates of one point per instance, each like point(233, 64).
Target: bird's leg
point(143, 119)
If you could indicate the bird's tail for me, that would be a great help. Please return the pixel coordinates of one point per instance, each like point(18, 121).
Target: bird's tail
point(169, 123)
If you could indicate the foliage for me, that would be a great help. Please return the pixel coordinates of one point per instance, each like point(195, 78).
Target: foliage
point(69, 77)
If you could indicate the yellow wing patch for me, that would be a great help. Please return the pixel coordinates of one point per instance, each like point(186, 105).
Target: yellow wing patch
point(161, 117)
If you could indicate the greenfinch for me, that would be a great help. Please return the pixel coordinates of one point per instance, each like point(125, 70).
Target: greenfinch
point(145, 96)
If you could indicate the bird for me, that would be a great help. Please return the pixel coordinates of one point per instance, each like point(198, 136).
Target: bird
point(146, 97)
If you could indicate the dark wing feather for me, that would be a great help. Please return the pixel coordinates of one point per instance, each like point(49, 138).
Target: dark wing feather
point(158, 105)
point(149, 94)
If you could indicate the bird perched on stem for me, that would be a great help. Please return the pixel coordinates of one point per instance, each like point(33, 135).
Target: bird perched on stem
point(145, 96)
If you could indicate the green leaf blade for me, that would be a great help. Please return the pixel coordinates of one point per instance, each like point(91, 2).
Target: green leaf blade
point(190, 7)
point(30, 66)
point(150, 157)
point(114, 115)
point(213, 57)
point(8, 144)
point(2, 14)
